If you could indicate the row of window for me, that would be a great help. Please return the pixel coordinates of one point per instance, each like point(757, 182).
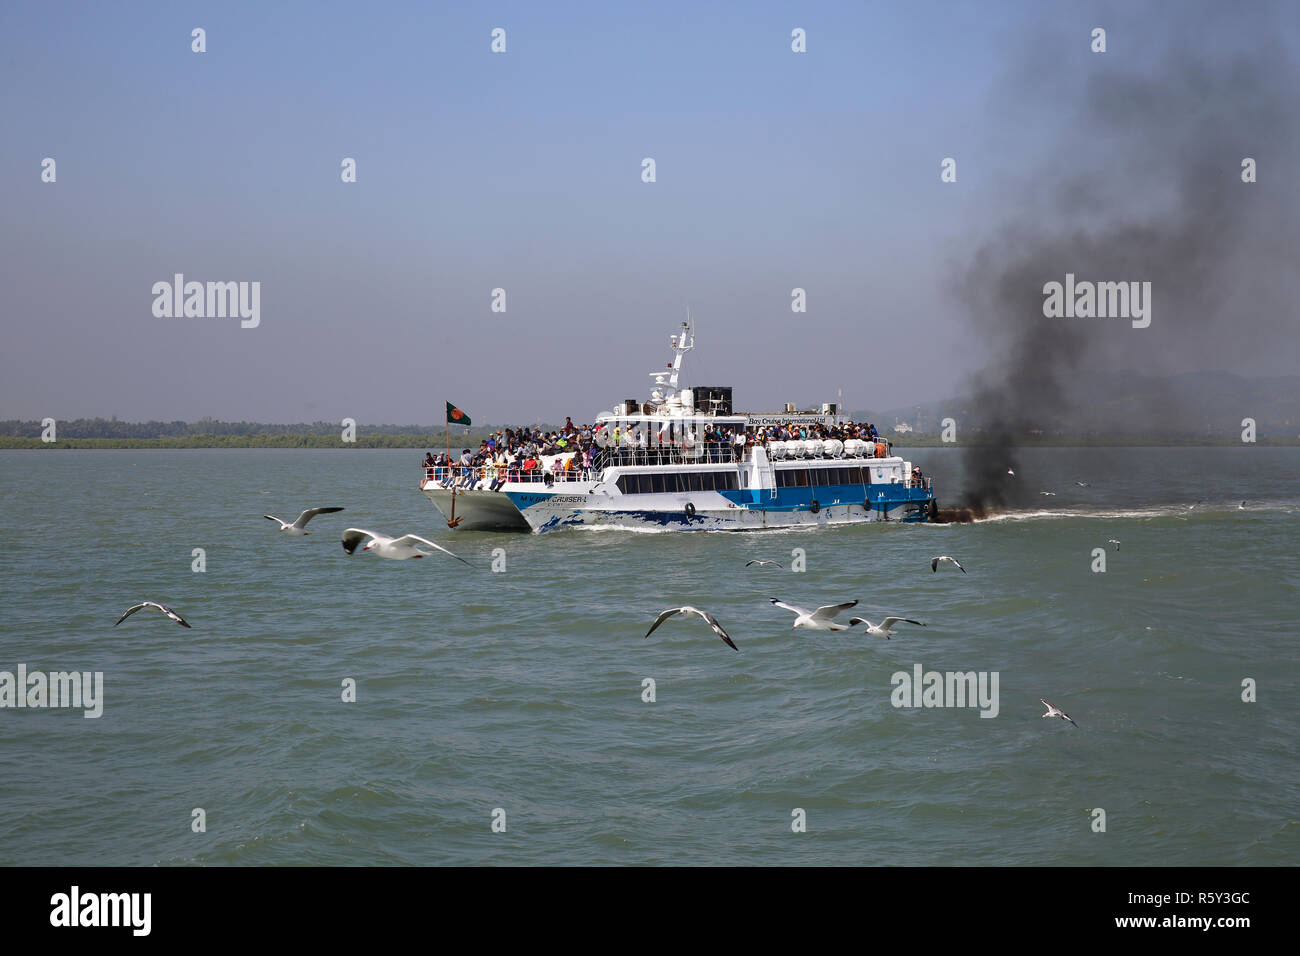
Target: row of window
point(817, 477)
point(673, 482)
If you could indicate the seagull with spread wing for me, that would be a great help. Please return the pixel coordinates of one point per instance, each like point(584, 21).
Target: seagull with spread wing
point(886, 627)
point(686, 609)
point(935, 562)
point(821, 619)
point(395, 549)
point(299, 526)
point(162, 607)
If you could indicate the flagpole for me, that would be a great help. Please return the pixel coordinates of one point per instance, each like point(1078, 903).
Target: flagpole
point(452, 485)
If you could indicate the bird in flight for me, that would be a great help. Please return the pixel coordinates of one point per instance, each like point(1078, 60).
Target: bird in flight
point(686, 609)
point(395, 549)
point(162, 607)
point(1056, 712)
point(299, 525)
point(821, 619)
point(1115, 542)
point(763, 564)
point(935, 562)
point(885, 628)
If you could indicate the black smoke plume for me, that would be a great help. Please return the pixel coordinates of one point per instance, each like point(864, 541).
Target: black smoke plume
point(1147, 187)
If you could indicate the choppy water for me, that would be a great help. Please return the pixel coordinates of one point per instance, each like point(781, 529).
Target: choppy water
point(522, 690)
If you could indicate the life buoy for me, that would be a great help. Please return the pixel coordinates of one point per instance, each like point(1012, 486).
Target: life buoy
point(814, 507)
point(690, 510)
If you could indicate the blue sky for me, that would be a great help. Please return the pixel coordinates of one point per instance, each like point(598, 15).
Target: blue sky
point(522, 171)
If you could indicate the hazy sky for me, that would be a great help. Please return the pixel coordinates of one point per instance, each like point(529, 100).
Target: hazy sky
point(522, 171)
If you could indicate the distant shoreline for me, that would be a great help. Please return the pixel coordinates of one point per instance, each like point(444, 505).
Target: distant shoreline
point(416, 442)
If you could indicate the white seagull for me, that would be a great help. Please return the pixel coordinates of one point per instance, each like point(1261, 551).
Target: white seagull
point(687, 609)
point(1115, 542)
point(1083, 484)
point(763, 564)
point(1055, 712)
point(299, 526)
point(1011, 473)
point(1048, 494)
point(821, 619)
point(162, 607)
point(934, 562)
point(885, 628)
point(397, 549)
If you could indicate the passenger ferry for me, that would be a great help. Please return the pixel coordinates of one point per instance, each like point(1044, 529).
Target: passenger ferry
point(670, 464)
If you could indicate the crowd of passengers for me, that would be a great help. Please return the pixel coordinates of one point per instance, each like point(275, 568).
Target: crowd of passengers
point(515, 454)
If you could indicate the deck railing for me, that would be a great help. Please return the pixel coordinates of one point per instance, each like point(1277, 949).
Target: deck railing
point(702, 453)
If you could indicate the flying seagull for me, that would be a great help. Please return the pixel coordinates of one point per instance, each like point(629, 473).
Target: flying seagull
point(1011, 473)
point(1115, 542)
point(1048, 494)
point(1242, 506)
point(687, 609)
point(763, 564)
point(1083, 484)
point(885, 628)
point(397, 549)
point(299, 526)
point(934, 562)
point(821, 619)
point(1054, 712)
point(162, 607)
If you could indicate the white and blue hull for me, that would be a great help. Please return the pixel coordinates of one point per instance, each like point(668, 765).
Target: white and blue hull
point(553, 510)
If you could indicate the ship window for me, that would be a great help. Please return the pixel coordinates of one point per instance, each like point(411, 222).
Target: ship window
point(656, 483)
point(733, 482)
point(801, 477)
point(694, 481)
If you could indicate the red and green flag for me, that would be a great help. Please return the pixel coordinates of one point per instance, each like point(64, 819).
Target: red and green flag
point(455, 416)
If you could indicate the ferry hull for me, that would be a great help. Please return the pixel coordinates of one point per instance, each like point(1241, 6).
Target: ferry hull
point(554, 512)
point(481, 510)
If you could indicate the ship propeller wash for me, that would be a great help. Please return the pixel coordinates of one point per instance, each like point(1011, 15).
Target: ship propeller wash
point(684, 461)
